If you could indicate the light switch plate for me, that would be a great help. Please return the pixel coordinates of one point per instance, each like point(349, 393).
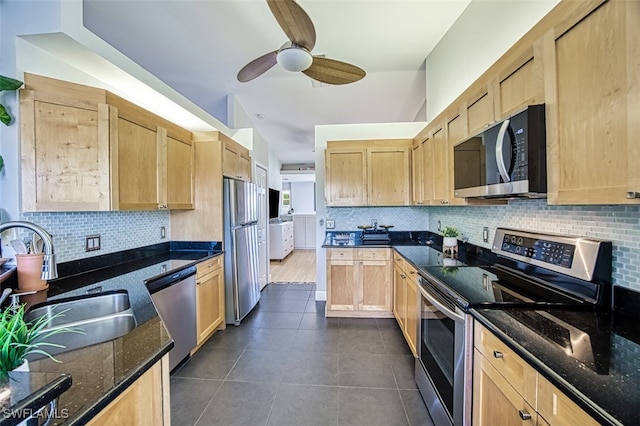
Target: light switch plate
point(331, 224)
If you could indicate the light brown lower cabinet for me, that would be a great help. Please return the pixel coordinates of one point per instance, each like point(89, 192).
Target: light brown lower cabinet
point(210, 305)
point(406, 302)
point(508, 391)
point(359, 282)
point(145, 402)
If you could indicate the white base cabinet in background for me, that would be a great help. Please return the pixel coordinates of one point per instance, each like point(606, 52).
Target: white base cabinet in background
point(304, 231)
point(280, 240)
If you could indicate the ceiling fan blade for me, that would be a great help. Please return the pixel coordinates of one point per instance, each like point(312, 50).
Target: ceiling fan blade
point(257, 67)
point(294, 21)
point(331, 71)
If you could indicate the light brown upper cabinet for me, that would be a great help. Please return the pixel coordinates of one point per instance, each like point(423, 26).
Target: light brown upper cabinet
point(85, 149)
point(592, 71)
point(368, 173)
point(236, 161)
point(417, 173)
point(388, 174)
point(480, 111)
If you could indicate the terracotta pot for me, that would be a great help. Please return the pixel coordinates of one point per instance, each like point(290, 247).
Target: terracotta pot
point(29, 268)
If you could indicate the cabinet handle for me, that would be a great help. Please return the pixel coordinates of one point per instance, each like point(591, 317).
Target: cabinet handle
point(198, 282)
point(524, 415)
point(632, 195)
point(497, 354)
point(403, 276)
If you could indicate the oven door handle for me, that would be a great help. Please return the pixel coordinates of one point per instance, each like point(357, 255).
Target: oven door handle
point(448, 312)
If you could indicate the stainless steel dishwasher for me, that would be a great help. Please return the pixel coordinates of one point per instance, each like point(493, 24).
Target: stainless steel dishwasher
point(174, 296)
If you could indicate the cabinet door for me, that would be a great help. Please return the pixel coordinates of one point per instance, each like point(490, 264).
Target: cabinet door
point(180, 171)
point(440, 168)
point(412, 312)
point(592, 124)
point(375, 286)
point(135, 156)
point(230, 166)
point(557, 409)
point(65, 154)
point(244, 166)
point(299, 232)
point(521, 83)
point(456, 133)
point(480, 111)
point(417, 174)
point(139, 404)
point(428, 176)
point(345, 177)
point(341, 285)
point(495, 401)
point(389, 176)
point(210, 303)
point(399, 296)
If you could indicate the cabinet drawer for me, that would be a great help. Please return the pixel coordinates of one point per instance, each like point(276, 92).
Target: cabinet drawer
point(374, 254)
point(341, 254)
point(557, 409)
point(398, 260)
point(411, 271)
point(514, 369)
point(208, 265)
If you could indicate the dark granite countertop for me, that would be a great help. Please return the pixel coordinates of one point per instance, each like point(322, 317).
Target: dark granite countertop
point(100, 372)
point(600, 370)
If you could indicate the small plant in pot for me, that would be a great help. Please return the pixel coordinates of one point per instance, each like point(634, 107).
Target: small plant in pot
point(450, 235)
point(20, 338)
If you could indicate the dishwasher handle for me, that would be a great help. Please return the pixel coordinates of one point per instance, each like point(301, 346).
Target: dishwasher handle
point(169, 279)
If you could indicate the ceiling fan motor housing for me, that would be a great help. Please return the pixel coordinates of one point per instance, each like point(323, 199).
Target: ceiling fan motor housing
point(294, 58)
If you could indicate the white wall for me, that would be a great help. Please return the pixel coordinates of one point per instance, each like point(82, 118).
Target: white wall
point(303, 197)
point(483, 33)
point(346, 132)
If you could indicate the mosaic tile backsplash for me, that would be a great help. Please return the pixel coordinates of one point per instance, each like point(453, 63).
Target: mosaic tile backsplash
point(118, 230)
point(620, 224)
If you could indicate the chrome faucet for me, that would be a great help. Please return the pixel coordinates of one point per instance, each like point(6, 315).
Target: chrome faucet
point(49, 267)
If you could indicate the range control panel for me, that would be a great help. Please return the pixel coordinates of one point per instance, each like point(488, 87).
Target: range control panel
point(546, 251)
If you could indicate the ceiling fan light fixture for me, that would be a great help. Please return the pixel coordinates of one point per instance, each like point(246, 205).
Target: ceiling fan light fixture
point(294, 59)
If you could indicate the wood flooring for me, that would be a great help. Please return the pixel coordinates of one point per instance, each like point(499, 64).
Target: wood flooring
point(299, 266)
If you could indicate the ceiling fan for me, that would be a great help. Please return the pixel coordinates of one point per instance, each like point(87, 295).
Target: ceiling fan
point(295, 55)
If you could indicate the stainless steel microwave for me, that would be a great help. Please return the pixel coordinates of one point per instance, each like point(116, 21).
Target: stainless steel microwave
point(506, 160)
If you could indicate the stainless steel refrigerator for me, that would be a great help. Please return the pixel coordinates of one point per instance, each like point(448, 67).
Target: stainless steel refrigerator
point(240, 249)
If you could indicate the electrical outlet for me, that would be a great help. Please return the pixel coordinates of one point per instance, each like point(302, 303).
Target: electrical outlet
point(439, 226)
point(331, 224)
point(163, 232)
point(485, 234)
point(92, 242)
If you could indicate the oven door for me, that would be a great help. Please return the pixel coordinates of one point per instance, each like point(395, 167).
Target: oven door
point(443, 369)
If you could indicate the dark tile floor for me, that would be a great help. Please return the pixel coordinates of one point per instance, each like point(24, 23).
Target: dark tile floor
point(287, 364)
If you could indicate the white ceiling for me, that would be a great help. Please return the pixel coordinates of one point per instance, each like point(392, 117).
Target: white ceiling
point(198, 46)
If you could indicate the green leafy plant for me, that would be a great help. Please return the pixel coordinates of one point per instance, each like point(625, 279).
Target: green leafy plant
point(450, 231)
point(7, 83)
point(19, 338)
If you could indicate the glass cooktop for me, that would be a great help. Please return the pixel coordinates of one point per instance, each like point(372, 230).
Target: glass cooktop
point(483, 287)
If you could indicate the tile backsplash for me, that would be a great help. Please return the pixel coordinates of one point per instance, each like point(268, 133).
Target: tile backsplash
point(620, 224)
point(118, 230)
point(402, 218)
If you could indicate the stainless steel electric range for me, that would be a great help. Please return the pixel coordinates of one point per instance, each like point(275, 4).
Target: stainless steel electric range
point(532, 270)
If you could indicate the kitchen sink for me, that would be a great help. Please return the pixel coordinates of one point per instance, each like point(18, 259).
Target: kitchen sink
point(97, 318)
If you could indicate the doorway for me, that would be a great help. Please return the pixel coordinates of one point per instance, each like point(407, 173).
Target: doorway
point(260, 179)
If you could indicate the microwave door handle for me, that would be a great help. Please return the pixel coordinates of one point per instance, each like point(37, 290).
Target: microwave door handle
point(502, 168)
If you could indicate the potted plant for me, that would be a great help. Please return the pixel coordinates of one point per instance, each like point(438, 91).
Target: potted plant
point(19, 338)
point(450, 235)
